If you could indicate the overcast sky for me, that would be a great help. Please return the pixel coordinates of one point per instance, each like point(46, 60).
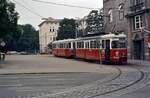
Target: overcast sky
point(56, 11)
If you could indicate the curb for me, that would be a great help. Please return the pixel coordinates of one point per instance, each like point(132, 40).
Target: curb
point(34, 73)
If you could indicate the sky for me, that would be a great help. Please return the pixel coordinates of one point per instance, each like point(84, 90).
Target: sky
point(32, 12)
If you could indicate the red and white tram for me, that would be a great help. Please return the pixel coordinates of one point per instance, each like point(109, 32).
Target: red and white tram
point(63, 48)
point(109, 48)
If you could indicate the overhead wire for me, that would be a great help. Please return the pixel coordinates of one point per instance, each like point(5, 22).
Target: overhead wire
point(75, 6)
point(61, 4)
point(31, 11)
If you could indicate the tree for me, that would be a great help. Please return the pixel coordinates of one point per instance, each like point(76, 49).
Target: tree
point(8, 18)
point(29, 39)
point(94, 22)
point(67, 29)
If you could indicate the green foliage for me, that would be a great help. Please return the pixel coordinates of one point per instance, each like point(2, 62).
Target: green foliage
point(8, 18)
point(67, 29)
point(29, 39)
point(25, 39)
point(95, 22)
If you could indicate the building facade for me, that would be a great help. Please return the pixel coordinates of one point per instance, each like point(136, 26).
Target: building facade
point(48, 30)
point(132, 18)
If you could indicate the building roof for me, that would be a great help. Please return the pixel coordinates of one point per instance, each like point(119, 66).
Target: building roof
point(50, 19)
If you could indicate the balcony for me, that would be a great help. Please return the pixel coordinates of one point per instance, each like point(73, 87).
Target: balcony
point(137, 7)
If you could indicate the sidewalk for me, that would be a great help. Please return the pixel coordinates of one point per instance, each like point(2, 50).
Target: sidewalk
point(139, 62)
point(28, 64)
point(47, 64)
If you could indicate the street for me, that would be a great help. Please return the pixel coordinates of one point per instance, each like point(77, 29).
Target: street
point(31, 76)
point(44, 76)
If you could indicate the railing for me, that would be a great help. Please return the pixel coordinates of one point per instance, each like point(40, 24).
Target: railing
point(137, 7)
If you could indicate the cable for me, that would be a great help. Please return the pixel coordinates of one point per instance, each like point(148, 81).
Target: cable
point(67, 5)
point(35, 13)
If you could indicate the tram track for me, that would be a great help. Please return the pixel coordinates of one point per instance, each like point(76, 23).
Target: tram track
point(99, 89)
point(114, 93)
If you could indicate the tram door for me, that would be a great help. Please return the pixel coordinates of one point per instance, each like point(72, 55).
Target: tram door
point(107, 51)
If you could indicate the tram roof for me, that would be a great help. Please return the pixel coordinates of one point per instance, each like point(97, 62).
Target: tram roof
point(65, 40)
point(111, 35)
point(107, 36)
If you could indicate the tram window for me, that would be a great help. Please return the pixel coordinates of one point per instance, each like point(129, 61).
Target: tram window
point(60, 45)
point(98, 44)
point(103, 44)
point(82, 44)
point(86, 44)
point(78, 44)
point(69, 45)
point(93, 44)
point(64, 45)
point(115, 44)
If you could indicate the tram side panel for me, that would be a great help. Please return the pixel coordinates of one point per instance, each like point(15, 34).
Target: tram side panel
point(69, 53)
point(92, 54)
point(80, 53)
point(55, 52)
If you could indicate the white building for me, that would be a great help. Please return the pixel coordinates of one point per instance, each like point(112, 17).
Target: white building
point(48, 30)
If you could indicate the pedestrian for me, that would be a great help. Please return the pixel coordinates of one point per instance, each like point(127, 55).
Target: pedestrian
point(3, 50)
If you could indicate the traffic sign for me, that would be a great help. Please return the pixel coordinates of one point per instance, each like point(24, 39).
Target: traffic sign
point(3, 43)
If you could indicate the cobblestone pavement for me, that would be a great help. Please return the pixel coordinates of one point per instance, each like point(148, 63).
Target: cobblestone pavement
point(127, 79)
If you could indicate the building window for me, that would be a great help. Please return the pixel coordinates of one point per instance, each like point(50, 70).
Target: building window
point(121, 15)
point(110, 15)
point(50, 30)
point(51, 38)
point(137, 2)
point(138, 22)
point(121, 11)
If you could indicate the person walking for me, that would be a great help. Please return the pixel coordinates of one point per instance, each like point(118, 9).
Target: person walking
point(3, 50)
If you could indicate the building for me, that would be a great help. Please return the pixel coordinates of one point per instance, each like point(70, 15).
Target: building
point(129, 16)
point(48, 30)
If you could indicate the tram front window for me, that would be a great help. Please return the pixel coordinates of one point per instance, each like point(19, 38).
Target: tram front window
point(117, 44)
point(122, 45)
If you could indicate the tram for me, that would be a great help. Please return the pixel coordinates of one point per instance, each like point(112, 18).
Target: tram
point(109, 48)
